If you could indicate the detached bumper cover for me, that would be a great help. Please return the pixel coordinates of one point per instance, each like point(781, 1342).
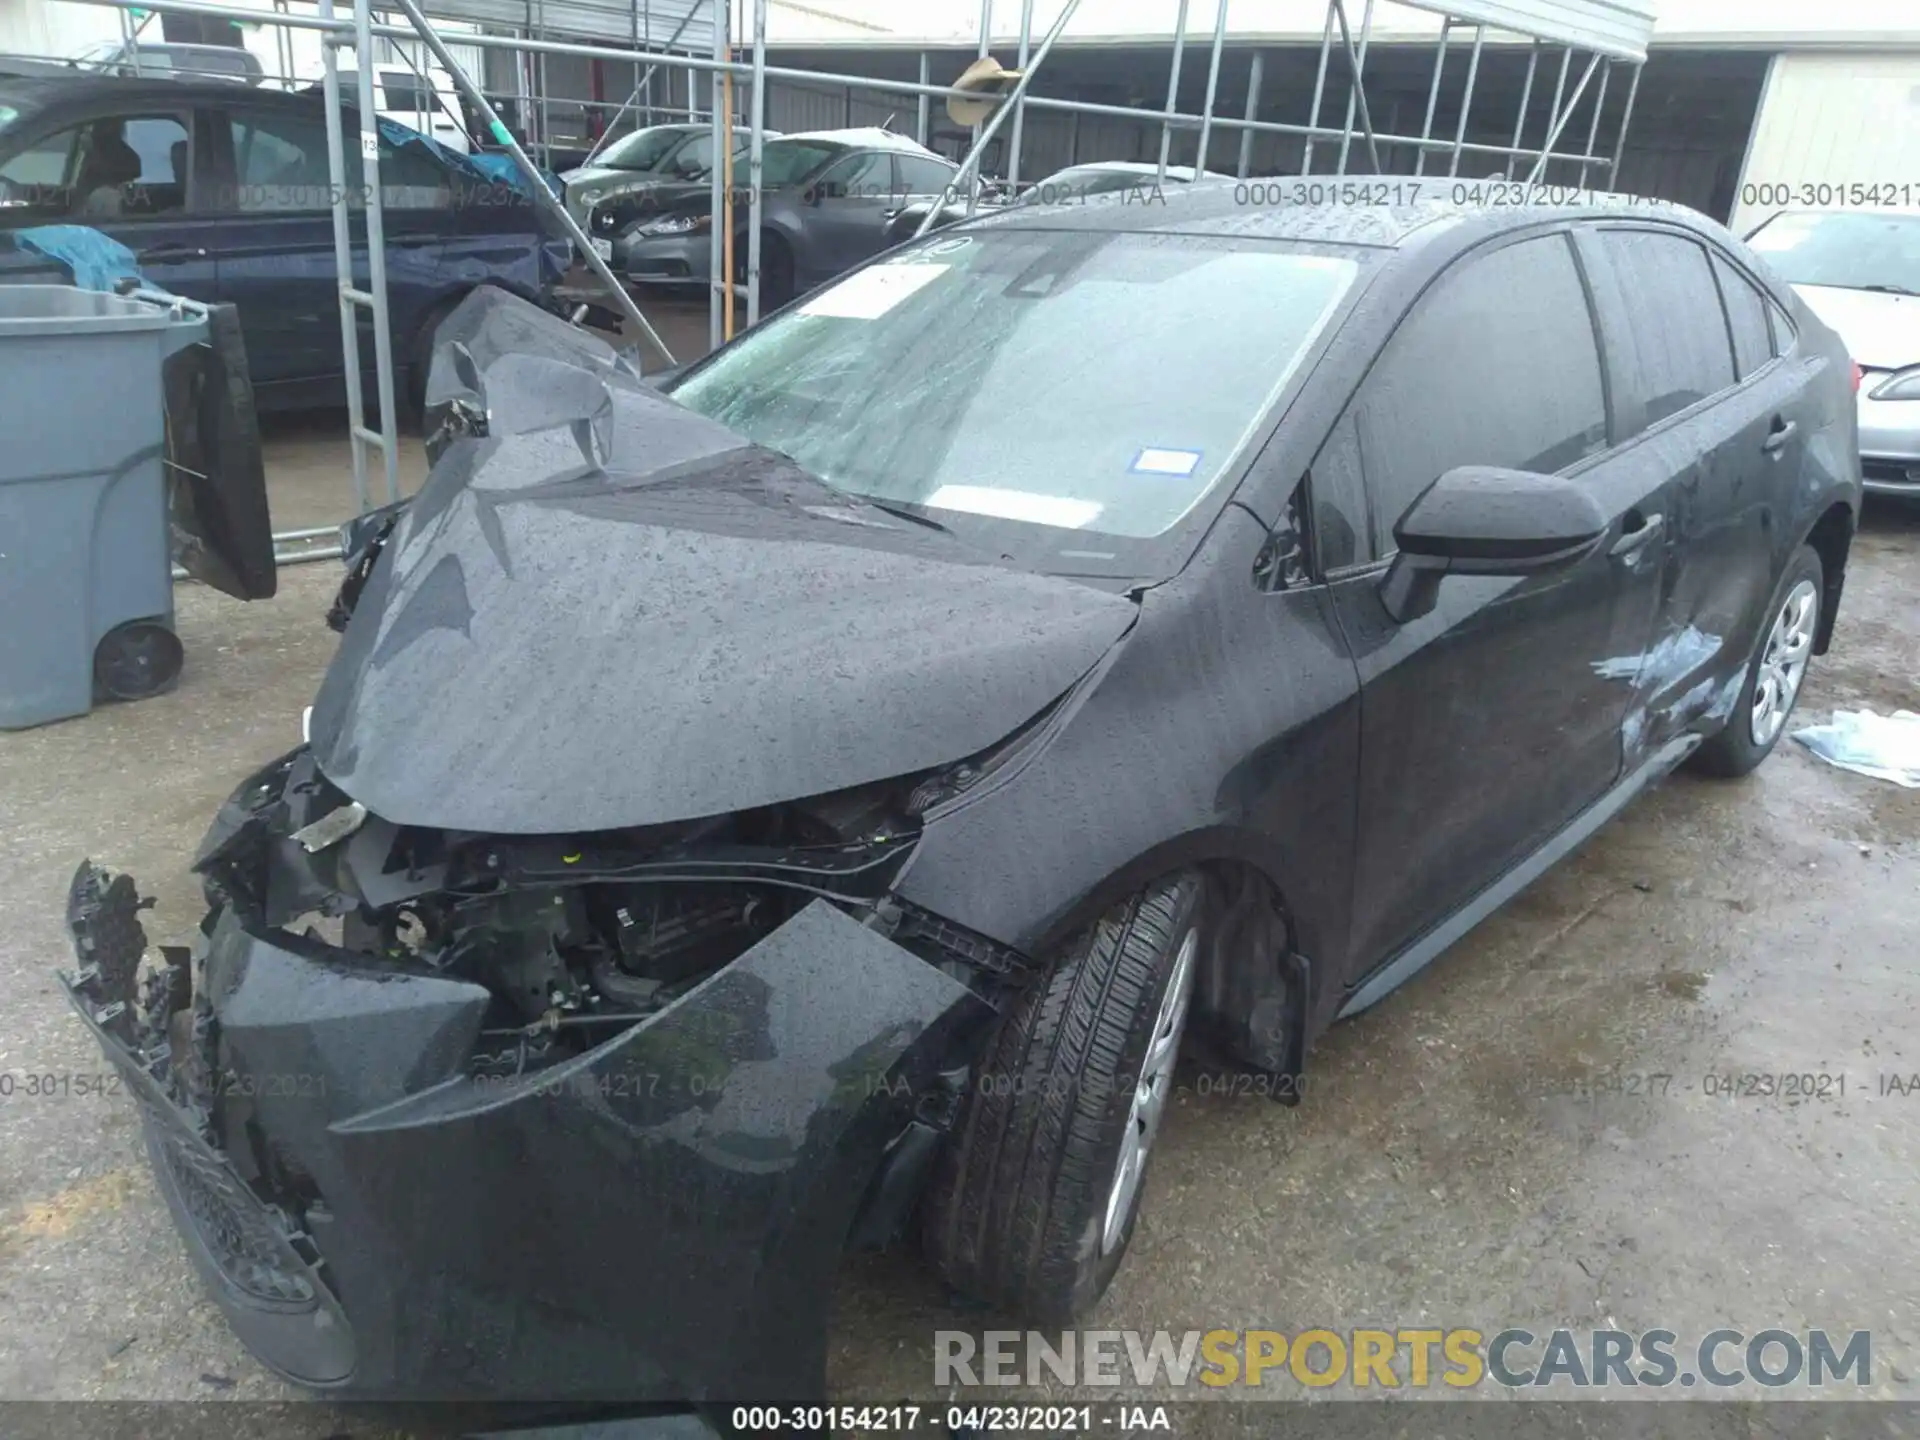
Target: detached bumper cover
point(658, 1219)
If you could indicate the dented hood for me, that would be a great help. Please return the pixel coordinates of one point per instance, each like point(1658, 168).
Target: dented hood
point(607, 611)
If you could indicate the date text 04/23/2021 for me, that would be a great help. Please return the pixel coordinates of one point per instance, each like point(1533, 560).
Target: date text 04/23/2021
point(955, 1420)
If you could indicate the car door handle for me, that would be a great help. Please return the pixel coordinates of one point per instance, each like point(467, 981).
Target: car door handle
point(172, 252)
point(1632, 540)
point(1777, 438)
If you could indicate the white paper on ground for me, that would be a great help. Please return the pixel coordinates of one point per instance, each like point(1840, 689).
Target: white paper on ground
point(1886, 747)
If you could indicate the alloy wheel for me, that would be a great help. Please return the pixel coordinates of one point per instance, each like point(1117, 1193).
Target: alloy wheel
point(1149, 1094)
point(1783, 663)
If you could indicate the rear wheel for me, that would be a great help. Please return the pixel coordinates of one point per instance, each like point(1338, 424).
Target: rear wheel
point(1036, 1194)
point(776, 272)
point(1774, 675)
point(136, 660)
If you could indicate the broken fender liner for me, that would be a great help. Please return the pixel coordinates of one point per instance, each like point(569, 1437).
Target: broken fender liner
point(659, 1219)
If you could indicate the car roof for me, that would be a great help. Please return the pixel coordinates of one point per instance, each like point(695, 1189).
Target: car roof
point(1138, 167)
point(44, 92)
point(870, 137)
point(1258, 209)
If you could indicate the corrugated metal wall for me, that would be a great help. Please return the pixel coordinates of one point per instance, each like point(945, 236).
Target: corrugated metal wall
point(1831, 120)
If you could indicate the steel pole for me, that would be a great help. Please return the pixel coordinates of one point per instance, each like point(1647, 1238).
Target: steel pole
point(1433, 93)
point(1253, 106)
point(1593, 126)
point(1020, 105)
point(1173, 90)
point(716, 246)
point(1626, 118)
point(1526, 100)
point(1213, 86)
point(921, 101)
point(542, 195)
point(1560, 121)
point(1559, 91)
point(375, 223)
point(756, 138)
point(343, 259)
point(971, 161)
point(986, 40)
point(1466, 100)
point(1356, 61)
point(1357, 97)
point(1319, 88)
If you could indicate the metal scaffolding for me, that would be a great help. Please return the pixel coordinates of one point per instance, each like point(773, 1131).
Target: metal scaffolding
point(1606, 33)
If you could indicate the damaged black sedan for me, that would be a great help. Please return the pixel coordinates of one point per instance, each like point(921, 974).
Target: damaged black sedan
point(814, 801)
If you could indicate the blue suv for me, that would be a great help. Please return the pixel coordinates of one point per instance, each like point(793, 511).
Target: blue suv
point(222, 193)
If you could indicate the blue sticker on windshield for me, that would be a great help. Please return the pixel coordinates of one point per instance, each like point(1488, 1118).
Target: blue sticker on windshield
point(1155, 461)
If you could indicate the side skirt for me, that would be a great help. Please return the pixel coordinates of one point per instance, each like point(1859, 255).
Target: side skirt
point(1395, 972)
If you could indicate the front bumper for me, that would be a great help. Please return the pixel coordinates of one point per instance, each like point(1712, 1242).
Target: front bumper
point(1890, 445)
point(665, 259)
point(657, 1219)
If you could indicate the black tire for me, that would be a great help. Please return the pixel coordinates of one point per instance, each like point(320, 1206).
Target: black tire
point(1018, 1202)
point(776, 272)
point(1733, 751)
point(136, 661)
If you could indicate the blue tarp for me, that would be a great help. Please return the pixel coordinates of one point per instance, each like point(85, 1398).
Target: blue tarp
point(96, 260)
point(498, 166)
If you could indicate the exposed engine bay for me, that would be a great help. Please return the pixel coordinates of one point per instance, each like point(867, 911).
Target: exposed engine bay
point(574, 937)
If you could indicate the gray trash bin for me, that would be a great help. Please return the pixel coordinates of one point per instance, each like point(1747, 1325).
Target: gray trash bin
point(86, 589)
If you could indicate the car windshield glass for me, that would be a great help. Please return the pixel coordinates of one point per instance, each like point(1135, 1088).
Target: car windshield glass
point(642, 150)
point(7, 116)
point(1857, 250)
point(1077, 381)
point(787, 162)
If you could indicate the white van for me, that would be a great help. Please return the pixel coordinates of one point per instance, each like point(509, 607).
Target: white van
point(406, 98)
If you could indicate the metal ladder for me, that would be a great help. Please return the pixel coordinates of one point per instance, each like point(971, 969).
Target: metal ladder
point(353, 300)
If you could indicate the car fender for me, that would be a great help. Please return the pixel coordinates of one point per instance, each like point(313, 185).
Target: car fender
point(1179, 750)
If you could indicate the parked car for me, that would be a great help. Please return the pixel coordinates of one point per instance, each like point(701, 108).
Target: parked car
point(1860, 272)
point(826, 199)
point(223, 194)
point(171, 60)
point(820, 796)
point(642, 159)
point(1118, 181)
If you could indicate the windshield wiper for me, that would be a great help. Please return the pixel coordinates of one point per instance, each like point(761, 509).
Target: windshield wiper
point(902, 512)
point(1888, 289)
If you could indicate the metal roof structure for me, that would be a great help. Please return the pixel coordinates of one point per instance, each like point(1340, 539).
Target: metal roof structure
point(686, 25)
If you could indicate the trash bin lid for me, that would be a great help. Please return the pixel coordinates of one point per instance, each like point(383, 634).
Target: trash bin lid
point(69, 310)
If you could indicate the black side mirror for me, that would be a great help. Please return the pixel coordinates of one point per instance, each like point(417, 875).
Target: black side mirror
point(1479, 520)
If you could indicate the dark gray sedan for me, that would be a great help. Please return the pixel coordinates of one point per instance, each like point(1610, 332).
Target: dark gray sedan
point(827, 198)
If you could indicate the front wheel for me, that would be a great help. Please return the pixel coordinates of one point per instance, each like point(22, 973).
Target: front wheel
point(1037, 1192)
point(1774, 675)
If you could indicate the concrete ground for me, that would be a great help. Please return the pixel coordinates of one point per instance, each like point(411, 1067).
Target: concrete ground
point(1449, 1167)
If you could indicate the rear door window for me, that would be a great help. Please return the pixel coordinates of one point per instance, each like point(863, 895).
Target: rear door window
point(1497, 365)
point(1673, 306)
point(1746, 318)
point(280, 165)
point(920, 175)
point(120, 167)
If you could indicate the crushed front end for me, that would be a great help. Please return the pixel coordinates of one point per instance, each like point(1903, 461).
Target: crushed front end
point(574, 1118)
